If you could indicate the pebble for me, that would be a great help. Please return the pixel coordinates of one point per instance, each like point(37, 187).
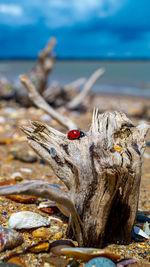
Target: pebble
point(41, 232)
point(45, 117)
point(26, 170)
point(9, 238)
point(140, 232)
point(22, 198)
point(146, 156)
point(18, 261)
point(49, 207)
point(140, 265)
point(27, 220)
point(126, 262)
point(73, 263)
point(87, 254)
point(51, 260)
point(8, 264)
point(43, 247)
point(17, 176)
point(100, 262)
point(2, 119)
point(24, 156)
point(9, 110)
point(147, 228)
point(56, 246)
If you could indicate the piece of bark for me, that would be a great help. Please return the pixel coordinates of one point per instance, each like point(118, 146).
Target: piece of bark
point(102, 171)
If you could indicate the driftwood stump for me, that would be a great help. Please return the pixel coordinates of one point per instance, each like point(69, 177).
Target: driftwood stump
point(102, 172)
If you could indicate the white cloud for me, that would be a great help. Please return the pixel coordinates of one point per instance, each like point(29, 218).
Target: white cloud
point(14, 10)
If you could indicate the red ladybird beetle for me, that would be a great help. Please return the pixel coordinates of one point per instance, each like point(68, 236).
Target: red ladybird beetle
point(75, 134)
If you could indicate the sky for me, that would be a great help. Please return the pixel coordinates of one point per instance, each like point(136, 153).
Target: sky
point(84, 29)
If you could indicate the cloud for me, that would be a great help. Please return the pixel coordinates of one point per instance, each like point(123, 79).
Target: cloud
point(13, 10)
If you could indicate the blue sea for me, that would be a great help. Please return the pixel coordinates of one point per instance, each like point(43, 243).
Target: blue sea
point(120, 77)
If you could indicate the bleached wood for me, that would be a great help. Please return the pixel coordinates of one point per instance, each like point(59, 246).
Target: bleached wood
point(102, 171)
point(83, 93)
point(39, 101)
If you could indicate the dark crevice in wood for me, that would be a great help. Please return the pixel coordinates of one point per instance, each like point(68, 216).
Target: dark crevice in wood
point(136, 148)
point(70, 165)
point(65, 147)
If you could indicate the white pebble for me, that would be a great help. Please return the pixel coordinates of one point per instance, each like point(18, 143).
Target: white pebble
point(146, 156)
point(2, 119)
point(45, 117)
point(140, 232)
point(26, 170)
point(16, 175)
point(27, 220)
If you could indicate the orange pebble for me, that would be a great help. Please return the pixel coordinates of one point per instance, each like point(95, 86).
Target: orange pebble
point(117, 148)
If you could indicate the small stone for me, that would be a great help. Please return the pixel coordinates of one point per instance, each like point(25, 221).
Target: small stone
point(97, 262)
point(9, 110)
point(43, 247)
point(147, 228)
point(9, 239)
point(23, 155)
point(27, 220)
point(126, 262)
point(17, 176)
point(140, 265)
point(26, 170)
point(9, 264)
point(49, 210)
point(58, 236)
point(117, 147)
point(40, 233)
point(56, 246)
point(45, 117)
point(146, 156)
point(18, 261)
point(2, 119)
point(49, 207)
point(22, 198)
point(87, 254)
point(140, 232)
point(55, 261)
point(4, 181)
point(55, 219)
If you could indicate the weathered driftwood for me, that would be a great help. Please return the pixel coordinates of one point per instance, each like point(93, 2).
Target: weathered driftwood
point(45, 63)
point(80, 98)
point(58, 96)
point(102, 172)
point(39, 101)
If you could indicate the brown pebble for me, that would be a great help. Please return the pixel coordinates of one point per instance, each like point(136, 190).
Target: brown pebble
point(56, 246)
point(22, 198)
point(3, 181)
point(41, 233)
point(49, 210)
point(18, 261)
point(42, 247)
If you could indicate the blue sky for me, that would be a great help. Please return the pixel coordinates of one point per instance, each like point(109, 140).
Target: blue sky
point(93, 29)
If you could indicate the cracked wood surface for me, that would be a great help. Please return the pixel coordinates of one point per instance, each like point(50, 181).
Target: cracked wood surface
point(102, 172)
